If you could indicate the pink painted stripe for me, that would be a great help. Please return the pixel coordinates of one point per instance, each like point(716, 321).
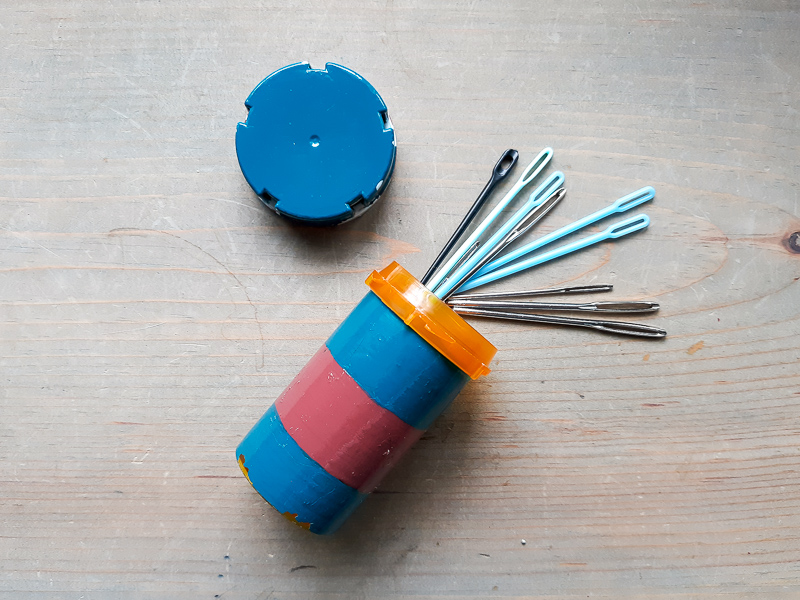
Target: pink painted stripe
point(339, 426)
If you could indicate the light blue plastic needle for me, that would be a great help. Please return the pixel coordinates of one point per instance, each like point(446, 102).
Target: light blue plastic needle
point(531, 171)
point(623, 204)
point(535, 204)
point(618, 230)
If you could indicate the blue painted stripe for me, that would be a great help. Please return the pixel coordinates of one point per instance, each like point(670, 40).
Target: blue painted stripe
point(398, 369)
point(292, 482)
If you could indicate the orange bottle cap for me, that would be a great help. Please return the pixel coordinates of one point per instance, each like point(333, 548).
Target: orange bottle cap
point(432, 319)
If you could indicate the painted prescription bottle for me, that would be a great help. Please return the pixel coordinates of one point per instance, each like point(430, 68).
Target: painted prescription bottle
point(393, 365)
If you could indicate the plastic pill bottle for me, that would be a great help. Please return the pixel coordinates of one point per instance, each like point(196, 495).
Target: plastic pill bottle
point(394, 364)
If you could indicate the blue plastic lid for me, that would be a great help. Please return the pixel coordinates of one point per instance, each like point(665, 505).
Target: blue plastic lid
point(318, 145)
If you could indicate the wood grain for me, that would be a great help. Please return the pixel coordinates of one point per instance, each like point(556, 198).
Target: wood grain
point(151, 309)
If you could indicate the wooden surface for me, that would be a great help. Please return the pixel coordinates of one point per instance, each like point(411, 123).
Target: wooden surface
point(151, 308)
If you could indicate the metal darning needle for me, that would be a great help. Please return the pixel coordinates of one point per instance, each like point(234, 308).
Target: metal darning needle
point(578, 289)
point(618, 327)
point(601, 307)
